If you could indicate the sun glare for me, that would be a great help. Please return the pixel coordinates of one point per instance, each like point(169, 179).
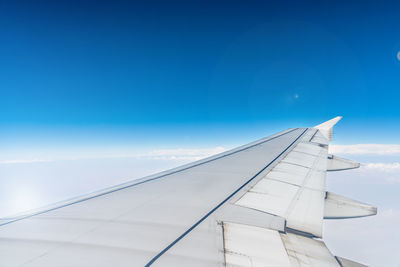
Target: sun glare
point(22, 200)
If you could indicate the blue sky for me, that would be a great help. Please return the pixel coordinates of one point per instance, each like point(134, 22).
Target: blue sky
point(108, 71)
point(95, 93)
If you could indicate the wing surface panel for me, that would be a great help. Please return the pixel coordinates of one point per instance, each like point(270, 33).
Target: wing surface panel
point(136, 221)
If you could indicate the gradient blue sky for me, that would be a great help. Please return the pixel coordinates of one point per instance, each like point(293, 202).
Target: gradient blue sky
point(177, 72)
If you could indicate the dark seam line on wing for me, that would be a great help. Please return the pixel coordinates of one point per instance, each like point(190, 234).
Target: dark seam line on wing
point(220, 204)
point(305, 153)
point(335, 170)
point(316, 131)
point(142, 182)
point(295, 164)
point(301, 233)
point(348, 217)
point(338, 261)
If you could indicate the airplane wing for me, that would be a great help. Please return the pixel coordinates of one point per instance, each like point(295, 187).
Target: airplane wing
point(261, 204)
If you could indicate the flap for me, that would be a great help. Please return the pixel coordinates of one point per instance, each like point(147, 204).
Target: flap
point(304, 251)
point(251, 246)
point(340, 207)
point(246, 245)
point(242, 215)
point(339, 164)
point(294, 189)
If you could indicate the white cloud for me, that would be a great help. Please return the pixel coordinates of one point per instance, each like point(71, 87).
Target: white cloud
point(186, 154)
point(16, 161)
point(388, 173)
point(385, 167)
point(183, 153)
point(365, 149)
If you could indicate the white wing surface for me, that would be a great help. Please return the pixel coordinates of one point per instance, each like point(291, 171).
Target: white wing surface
point(262, 204)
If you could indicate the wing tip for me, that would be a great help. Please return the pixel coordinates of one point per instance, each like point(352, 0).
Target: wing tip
point(329, 124)
point(326, 128)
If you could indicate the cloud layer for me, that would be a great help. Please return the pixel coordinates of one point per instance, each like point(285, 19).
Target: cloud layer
point(385, 167)
point(365, 149)
point(187, 154)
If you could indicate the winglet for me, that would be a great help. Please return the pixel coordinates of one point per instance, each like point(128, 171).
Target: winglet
point(326, 128)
